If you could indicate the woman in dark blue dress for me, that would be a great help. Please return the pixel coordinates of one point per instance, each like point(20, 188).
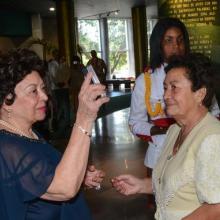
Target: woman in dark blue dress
point(36, 182)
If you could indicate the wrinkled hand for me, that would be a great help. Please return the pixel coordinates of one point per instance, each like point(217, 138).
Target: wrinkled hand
point(127, 184)
point(93, 177)
point(89, 103)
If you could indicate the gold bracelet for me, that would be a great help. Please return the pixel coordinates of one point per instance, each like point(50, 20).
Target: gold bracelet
point(83, 130)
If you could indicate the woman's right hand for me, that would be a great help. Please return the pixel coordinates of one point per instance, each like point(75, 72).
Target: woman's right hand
point(128, 184)
point(89, 103)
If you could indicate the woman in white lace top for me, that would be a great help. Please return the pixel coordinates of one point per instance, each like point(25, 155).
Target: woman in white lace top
point(186, 180)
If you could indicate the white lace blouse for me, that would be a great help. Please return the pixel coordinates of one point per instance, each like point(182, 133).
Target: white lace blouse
point(192, 177)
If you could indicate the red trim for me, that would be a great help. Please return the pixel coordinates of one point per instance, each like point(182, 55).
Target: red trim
point(144, 137)
point(163, 122)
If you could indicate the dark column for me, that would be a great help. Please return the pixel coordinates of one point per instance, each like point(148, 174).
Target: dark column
point(140, 38)
point(66, 28)
point(104, 41)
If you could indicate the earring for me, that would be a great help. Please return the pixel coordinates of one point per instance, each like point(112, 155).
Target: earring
point(9, 113)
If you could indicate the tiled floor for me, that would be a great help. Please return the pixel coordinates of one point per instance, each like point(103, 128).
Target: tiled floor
point(115, 150)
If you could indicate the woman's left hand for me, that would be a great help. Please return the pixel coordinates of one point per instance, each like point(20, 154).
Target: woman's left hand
point(93, 177)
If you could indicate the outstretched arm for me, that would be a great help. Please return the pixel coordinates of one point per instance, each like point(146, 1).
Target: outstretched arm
point(71, 169)
point(130, 185)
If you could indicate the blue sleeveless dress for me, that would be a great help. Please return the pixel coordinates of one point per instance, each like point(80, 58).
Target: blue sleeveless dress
point(27, 168)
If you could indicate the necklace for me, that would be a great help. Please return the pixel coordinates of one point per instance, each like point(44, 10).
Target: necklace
point(178, 143)
point(6, 124)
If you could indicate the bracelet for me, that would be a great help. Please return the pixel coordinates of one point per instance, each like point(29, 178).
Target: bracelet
point(83, 130)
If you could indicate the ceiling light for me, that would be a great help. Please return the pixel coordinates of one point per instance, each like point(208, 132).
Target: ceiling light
point(52, 9)
point(116, 12)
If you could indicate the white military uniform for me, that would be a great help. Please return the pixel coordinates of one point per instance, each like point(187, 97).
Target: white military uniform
point(139, 120)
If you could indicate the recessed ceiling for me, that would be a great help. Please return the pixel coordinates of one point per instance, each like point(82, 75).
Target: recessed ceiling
point(83, 8)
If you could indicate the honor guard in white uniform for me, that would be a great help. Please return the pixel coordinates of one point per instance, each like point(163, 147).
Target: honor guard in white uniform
point(141, 119)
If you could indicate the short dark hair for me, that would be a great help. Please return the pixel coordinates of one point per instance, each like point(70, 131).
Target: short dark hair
point(199, 71)
point(156, 52)
point(76, 58)
point(14, 67)
point(93, 53)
